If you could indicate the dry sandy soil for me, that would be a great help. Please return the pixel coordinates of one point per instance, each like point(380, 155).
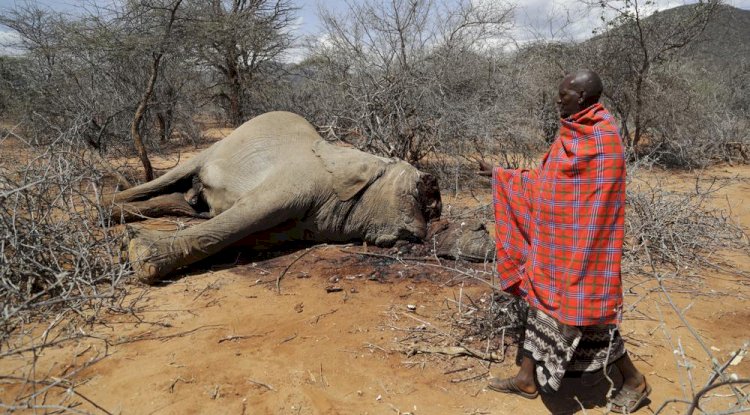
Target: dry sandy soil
point(221, 338)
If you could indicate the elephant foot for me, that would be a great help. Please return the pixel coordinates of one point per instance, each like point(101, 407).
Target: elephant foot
point(144, 260)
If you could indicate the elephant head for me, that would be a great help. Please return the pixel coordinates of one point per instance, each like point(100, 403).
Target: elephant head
point(392, 200)
point(399, 205)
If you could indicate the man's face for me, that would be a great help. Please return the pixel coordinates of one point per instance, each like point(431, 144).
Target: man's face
point(569, 99)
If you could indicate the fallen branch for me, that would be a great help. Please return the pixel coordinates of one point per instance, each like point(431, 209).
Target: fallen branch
point(450, 351)
point(146, 336)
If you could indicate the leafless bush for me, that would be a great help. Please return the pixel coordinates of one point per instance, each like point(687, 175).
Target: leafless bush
point(406, 77)
point(492, 316)
point(54, 252)
point(427, 82)
point(679, 228)
point(122, 74)
point(239, 45)
point(702, 120)
point(629, 48)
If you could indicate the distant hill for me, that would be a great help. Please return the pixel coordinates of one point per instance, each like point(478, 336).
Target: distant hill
point(725, 41)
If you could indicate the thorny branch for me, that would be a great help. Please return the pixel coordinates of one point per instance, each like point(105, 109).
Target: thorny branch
point(57, 262)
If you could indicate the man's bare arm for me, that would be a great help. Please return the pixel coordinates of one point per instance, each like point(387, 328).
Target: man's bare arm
point(485, 169)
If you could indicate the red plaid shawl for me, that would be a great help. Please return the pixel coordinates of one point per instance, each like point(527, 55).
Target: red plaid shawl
point(559, 228)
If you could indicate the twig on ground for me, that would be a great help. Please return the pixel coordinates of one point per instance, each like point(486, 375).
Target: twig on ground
point(147, 336)
point(450, 351)
point(300, 256)
point(265, 385)
point(316, 319)
point(239, 337)
point(475, 275)
point(475, 377)
point(460, 369)
point(177, 380)
point(288, 339)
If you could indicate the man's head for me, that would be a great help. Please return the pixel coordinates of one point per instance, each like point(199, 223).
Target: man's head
point(578, 90)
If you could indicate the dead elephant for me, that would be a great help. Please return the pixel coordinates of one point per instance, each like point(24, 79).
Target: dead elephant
point(275, 176)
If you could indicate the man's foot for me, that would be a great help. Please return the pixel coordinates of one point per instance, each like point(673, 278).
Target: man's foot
point(511, 386)
point(629, 398)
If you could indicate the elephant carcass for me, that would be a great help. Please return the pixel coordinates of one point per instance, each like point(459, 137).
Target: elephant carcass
point(276, 175)
point(467, 240)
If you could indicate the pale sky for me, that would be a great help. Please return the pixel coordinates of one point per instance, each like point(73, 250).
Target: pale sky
point(572, 20)
point(534, 19)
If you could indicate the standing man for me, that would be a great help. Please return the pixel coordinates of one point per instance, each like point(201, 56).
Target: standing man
point(559, 233)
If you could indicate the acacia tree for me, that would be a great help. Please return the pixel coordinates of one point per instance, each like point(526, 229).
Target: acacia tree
point(631, 44)
point(39, 35)
point(239, 39)
point(388, 67)
point(165, 16)
point(101, 71)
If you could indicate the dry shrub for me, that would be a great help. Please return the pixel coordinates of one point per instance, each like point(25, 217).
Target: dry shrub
point(55, 252)
point(702, 118)
point(679, 228)
point(492, 317)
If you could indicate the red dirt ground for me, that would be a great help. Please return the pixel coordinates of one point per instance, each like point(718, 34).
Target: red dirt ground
point(223, 340)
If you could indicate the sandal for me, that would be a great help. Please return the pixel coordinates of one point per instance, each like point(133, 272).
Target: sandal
point(628, 400)
point(509, 386)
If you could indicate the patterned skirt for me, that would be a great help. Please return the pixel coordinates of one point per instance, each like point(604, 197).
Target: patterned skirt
point(559, 348)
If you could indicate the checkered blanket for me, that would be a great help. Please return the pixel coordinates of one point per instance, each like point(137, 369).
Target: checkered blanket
point(560, 227)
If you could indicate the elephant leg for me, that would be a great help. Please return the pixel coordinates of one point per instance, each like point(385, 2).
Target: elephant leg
point(174, 204)
point(179, 179)
point(154, 255)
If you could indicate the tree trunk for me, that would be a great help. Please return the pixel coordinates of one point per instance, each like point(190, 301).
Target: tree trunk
point(642, 73)
point(161, 125)
point(236, 113)
point(141, 110)
point(625, 132)
point(637, 122)
point(138, 117)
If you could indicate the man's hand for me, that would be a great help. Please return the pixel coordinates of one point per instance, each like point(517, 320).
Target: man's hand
point(485, 169)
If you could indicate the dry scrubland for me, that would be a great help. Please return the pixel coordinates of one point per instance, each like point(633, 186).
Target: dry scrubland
point(272, 333)
point(108, 97)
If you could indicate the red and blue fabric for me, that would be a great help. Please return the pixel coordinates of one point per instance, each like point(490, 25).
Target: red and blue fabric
point(560, 228)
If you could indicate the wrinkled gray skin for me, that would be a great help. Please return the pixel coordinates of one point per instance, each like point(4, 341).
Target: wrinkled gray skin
point(274, 179)
point(467, 240)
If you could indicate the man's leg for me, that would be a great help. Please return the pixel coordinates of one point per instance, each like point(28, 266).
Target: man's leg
point(634, 389)
point(525, 377)
point(631, 377)
point(522, 384)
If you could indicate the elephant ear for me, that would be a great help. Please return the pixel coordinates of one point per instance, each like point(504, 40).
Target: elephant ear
point(352, 170)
